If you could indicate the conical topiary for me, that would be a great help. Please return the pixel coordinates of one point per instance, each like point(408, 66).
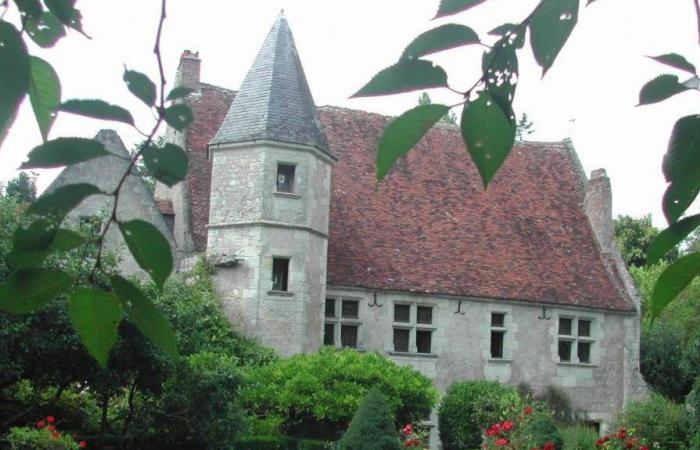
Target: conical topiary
point(372, 427)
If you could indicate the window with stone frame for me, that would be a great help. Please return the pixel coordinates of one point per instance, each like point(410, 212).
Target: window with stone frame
point(575, 339)
point(280, 274)
point(285, 177)
point(413, 328)
point(498, 334)
point(342, 322)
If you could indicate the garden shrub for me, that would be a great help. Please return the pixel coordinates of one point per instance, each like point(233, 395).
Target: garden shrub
point(664, 370)
point(41, 438)
point(692, 403)
point(542, 429)
point(578, 437)
point(468, 408)
point(317, 394)
point(558, 403)
point(372, 426)
point(659, 421)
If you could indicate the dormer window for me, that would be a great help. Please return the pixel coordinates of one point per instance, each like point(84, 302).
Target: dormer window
point(285, 177)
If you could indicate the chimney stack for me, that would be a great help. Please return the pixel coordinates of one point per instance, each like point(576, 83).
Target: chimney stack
point(188, 70)
point(598, 207)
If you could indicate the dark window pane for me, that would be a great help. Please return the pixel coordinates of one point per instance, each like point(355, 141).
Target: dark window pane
point(285, 178)
point(497, 344)
point(351, 309)
point(400, 340)
point(565, 326)
point(565, 350)
point(169, 221)
point(498, 320)
point(424, 314)
point(584, 328)
point(423, 338)
point(280, 273)
point(584, 352)
point(348, 336)
point(402, 313)
point(328, 332)
point(330, 307)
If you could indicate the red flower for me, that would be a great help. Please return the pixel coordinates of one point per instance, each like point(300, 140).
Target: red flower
point(600, 442)
point(55, 434)
point(82, 444)
point(40, 424)
point(51, 428)
point(407, 429)
point(528, 410)
point(50, 419)
point(502, 442)
point(549, 446)
point(622, 433)
point(643, 447)
point(411, 443)
point(507, 425)
point(491, 432)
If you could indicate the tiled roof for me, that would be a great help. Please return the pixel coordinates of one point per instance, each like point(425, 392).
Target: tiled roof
point(165, 206)
point(274, 102)
point(430, 227)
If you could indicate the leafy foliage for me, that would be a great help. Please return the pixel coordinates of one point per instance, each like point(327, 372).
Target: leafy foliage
point(578, 437)
point(542, 429)
point(633, 237)
point(372, 426)
point(22, 188)
point(659, 421)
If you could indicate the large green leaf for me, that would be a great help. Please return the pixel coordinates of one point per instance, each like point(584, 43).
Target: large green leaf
point(150, 249)
point(167, 164)
point(141, 86)
point(675, 60)
point(62, 152)
point(680, 195)
point(500, 71)
point(178, 116)
point(405, 76)
point(673, 280)
point(30, 8)
point(441, 38)
point(670, 237)
point(144, 314)
point(550, 27)
point(660, 88)
point(488, 133)
point(95, 314)
point(179, 92)
point(55, 205)
point(404, 132)
point(34, 243)
point(682, 158)
point(44, 94)
point(449, 7)
point(66, 13)
point(46, 31)
point(14, 75)
point(25, 291)
point(97, 109)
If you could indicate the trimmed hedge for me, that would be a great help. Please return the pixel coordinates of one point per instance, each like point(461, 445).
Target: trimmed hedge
point(372, 426)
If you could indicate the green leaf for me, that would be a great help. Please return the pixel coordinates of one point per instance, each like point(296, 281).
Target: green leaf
point(46, 31)
point(178, 116)
point(179, 92)
point(95, 315)
point(488, 133)
point(441, 38)
point(144, 314)
point(679, 196)
point(33, 244)
point(405, 76)
point(449, 7)
point(673, 280)
point(141, 86)
point(150, 249)
point(167, 164)
point(683, 155)
point(65, 241)
point(404, 132)
point(500, 71)
point(97, 109)
point(62, 152)
point(55, 205)
point(670, 237)
point(660, 88)
point(32, 9)
point(550, 27)
point(675, 60)
point(14, 75)
point(25, 291)
point(503, 29)
point(66, 13)
point(44, 94)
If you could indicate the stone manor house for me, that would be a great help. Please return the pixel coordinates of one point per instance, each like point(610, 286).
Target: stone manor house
point(520, 283)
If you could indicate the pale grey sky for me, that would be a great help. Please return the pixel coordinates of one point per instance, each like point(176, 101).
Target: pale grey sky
point(595, 80)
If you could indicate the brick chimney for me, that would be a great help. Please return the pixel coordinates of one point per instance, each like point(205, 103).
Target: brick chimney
point(598, 206)
point(188, 70)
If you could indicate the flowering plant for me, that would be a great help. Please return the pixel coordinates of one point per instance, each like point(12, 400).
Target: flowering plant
point(44, 435)
point(415, 435)
point(623, 439)
point(512, 434)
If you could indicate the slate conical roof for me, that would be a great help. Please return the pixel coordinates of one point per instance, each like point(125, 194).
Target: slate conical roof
point(274, 101)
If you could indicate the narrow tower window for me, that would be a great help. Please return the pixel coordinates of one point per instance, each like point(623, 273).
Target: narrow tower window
point(280, 274)
point(498, 332)
point(285, 177)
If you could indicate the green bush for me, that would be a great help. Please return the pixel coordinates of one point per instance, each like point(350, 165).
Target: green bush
point(25, 438)
point(665, 370)
point(468, 408)
point(578, 437)
point(542, 429)
point(659, 421)
point(372, 426)
point(317, 394)
point(692, 403)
